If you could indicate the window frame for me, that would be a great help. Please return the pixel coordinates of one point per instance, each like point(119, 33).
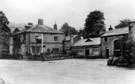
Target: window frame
point(55, 38)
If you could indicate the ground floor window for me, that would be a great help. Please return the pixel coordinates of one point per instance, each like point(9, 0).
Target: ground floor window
point(95, 51)
point(80, 52)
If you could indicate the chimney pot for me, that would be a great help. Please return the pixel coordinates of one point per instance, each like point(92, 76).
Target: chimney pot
point(31, 24)
point(55, 26)
point(110, 28)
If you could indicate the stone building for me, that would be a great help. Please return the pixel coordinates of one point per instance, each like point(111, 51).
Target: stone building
point(36, 39)
point(110, 41)
point(88, 47)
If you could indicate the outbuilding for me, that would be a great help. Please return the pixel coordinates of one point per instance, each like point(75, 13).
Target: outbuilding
point(88, 47)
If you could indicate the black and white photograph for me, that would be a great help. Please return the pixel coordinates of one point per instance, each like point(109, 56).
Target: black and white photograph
point(67, 41)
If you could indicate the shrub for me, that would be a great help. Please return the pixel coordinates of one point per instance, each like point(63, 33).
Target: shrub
point(127, 51)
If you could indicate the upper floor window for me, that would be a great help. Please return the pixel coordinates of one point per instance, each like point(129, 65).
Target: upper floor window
point(38, 39)
point(105, 39)
point(55, 38)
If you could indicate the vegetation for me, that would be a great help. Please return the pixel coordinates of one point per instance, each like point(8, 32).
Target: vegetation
point(3, 19)
point(68, 30)
point(4, 35)
point(94, 24)
point(123, 23)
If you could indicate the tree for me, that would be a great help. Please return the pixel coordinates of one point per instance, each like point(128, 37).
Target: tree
point(68, 30)
point(81, 32)
point(3, 19)
point(123, 23)
point(94, 24)
point(4, 34)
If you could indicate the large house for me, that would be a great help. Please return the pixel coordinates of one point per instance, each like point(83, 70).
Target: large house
point(36, 39)
point(88, 47)
point(112, 42)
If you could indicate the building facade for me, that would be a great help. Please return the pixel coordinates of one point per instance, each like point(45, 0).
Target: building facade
point(36, 39)
point(88, 47)
point(112, 42)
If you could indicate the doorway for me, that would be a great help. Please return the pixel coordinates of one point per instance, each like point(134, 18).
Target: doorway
point(36, 50)
point(107, 53)
point(87, 52)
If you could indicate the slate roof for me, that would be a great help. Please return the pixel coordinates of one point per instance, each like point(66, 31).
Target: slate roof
point(85, 42)
point(40, 28)
point(43, 28)
point(13, 26)
point(116, 32)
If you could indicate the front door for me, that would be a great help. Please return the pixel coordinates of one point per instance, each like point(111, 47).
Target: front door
point(87, 52)
point(36, 50)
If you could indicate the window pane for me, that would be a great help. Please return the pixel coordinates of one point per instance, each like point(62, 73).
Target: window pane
point(55, 38)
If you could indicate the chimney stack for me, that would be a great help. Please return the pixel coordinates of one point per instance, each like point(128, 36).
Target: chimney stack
point(40, 21)
point(110, 28)
point(29, 25)
point(55, 26)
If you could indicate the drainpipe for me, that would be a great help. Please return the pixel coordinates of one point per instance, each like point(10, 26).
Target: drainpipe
point(42, 43)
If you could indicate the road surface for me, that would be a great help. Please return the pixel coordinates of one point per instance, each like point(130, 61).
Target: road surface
point(70, 71)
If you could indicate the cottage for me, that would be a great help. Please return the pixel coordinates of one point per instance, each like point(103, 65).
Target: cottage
point(112, 42)
point(88, 47)
point(36, 39)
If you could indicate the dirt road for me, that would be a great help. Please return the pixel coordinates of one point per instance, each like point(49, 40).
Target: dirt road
point(71, 71)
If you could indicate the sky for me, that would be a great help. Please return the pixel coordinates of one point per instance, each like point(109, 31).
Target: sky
point(74, 12)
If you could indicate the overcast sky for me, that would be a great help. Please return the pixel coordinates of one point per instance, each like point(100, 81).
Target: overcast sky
point(72, 11)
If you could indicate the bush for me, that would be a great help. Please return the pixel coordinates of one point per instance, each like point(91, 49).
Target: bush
point(127, 52)
point(109, 61)
point(4, 55)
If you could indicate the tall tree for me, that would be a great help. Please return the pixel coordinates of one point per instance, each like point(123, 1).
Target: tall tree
point(3, 19)
point(94, 24)
point(4, 33)
point(123, 23)
point(68, 30)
